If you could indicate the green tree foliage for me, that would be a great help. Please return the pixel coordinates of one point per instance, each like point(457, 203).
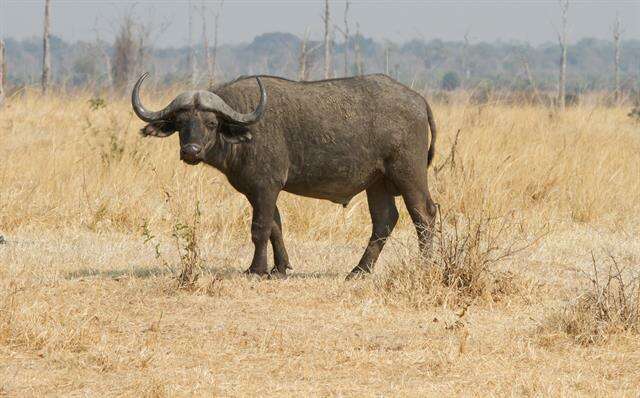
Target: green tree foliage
point(417, 62)
point(450, 81)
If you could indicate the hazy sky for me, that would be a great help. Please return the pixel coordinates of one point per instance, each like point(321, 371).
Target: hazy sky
point(241, 20)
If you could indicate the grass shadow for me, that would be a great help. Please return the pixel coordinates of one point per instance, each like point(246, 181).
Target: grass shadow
point(135, 272)
point(150, 272)
point(316, 275)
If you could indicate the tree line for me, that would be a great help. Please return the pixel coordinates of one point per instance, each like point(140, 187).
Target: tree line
point(559, 69)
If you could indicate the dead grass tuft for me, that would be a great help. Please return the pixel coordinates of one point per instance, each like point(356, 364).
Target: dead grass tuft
point(464, 267)
point(610, 306)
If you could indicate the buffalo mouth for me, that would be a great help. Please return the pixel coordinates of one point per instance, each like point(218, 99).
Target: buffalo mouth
point(192, 162)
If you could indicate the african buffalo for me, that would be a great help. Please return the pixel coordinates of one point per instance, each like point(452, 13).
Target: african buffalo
point(328, 139)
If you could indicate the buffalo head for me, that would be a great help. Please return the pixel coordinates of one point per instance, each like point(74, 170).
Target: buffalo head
point(200, 117)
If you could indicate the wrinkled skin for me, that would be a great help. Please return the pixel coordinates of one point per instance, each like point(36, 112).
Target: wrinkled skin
point(329, 140)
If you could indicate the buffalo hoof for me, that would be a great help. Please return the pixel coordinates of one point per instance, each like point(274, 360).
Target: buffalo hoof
point(277, 275)
point(357, 274)
point(256, 273)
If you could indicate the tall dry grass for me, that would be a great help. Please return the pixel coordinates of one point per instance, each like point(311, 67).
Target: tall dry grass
point(99, 222)
point(67, 163)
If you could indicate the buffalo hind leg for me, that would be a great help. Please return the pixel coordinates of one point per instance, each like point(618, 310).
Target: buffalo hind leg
point(264, 205)
point(280, 257)
point(423, 212)
point(384, 216)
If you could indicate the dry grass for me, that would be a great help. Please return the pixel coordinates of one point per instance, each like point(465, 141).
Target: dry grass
point(608, 307)
point(99, 224)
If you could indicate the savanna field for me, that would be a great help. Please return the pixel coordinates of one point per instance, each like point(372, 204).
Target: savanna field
point(121, 269)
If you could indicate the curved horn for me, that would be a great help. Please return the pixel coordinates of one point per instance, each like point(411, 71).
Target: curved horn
point(144, 114)
point(212, 103)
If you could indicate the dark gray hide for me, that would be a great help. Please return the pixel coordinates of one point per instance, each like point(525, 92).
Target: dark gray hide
point(327, 139)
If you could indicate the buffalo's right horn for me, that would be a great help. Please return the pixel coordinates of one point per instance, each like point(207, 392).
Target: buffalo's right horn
point(212, 103)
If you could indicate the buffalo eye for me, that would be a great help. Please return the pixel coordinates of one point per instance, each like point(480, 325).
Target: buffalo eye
point(211, 124)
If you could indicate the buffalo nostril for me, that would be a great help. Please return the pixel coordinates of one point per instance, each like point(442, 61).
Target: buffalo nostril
point(191, 150)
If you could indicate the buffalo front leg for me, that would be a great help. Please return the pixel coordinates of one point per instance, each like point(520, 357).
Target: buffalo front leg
point(280, 257)
point(384, 216)
point(264, 205)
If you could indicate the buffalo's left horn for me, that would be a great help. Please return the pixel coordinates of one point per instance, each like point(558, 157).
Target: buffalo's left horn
point(144, 114)
point(212, 103)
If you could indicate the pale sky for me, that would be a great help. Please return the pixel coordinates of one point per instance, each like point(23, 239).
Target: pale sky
point(242, 20)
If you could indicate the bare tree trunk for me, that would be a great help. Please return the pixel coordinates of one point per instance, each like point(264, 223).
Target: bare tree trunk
point(356, 45)
point(142, 54)
point(304, 67)
point(562, 38)
point(386, 60)
point(617, 33)
point(532, 81)
point(2, 71)
point(638, 80)
point(46, 56)
point(302, 59)
point(216, 29)
point(346, 39)
point(465, 60)
point(124, 54)
point(205, 45)
point(105, 57)
point(327, 41)
point(191, 59)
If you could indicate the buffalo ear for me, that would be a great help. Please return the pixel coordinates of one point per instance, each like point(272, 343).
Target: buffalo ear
point(234, 133)
point(158, 129)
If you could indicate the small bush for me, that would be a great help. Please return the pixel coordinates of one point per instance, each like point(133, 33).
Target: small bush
point(185, 236)
point(635, 114)
point(482, 94)
point(450, 81)
point(463, 266)
point(97, 103)
point(611, 305)
point(108, 141)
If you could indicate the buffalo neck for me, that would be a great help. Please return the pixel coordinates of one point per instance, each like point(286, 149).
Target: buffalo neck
point(222, 155)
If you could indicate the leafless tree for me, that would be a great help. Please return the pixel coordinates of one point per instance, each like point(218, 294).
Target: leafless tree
point(216, 30)
point(304, 60)
point(101, 46)
point(327, 41)
point(2, 71)
point(143, 33)
point(638, 80)
point(386, 59)
point(46, 55)
point(356, 45)
point(191, 58)
point(562, 39)
point(208, 56)
point(617, 31)
point(346, 38)
point(205, 45)
point(132, 46)
point(466, 70)
point(531, 80)
point(125, 53)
